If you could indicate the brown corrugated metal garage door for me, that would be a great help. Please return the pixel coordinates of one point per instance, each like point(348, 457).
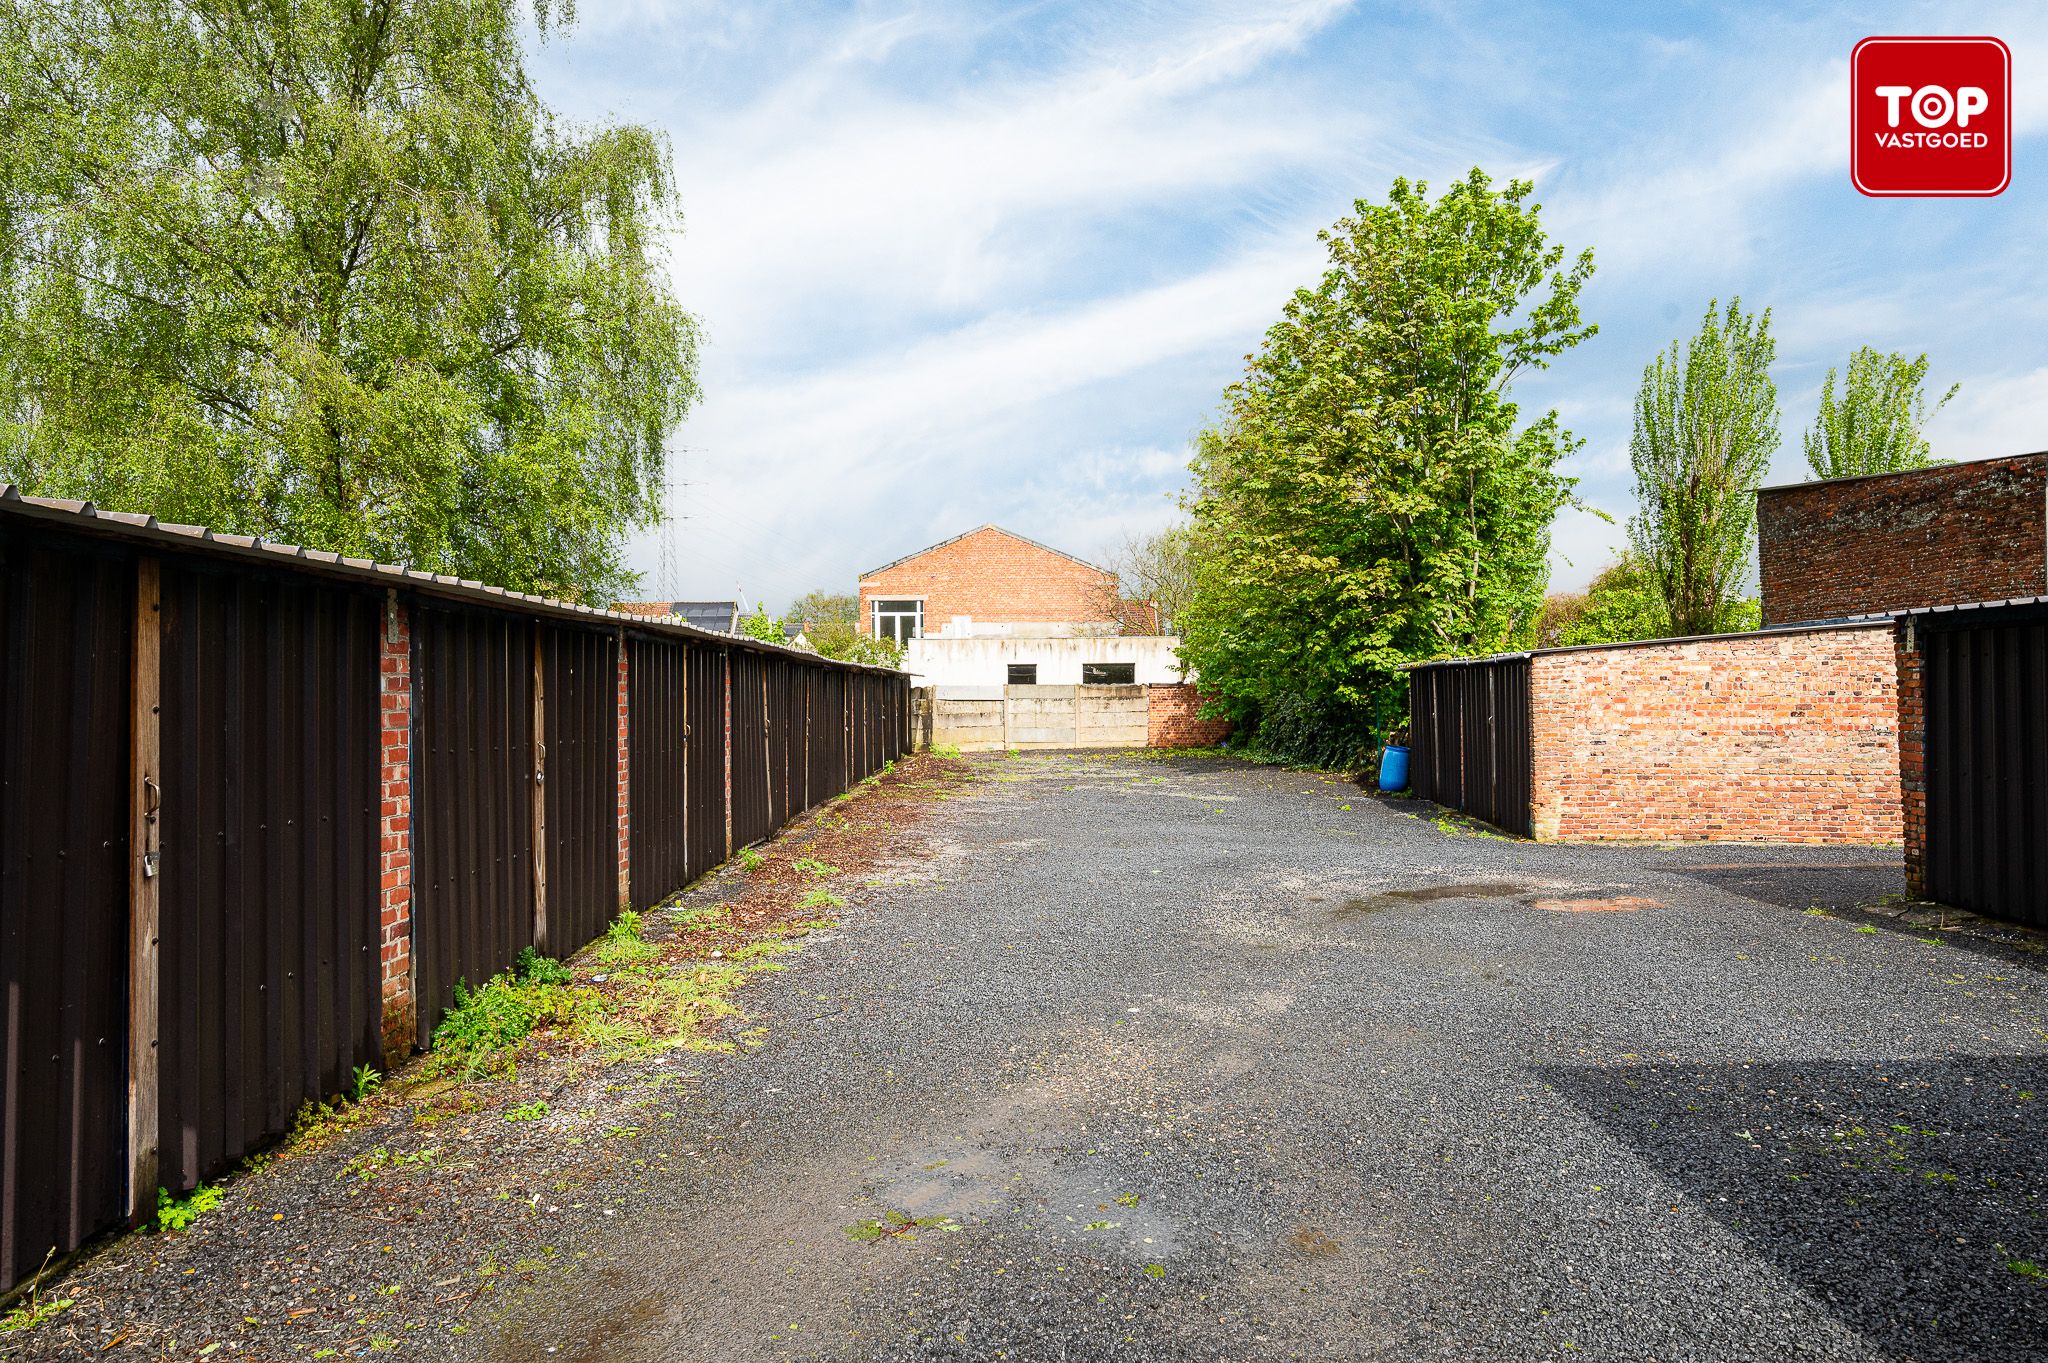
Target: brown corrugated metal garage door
point(66, 631)
point(1987, 765)
point(472, 800)
point(269, 901)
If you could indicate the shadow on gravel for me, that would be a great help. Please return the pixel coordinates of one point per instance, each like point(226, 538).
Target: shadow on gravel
point(1800, 885)
point(1908, 1198)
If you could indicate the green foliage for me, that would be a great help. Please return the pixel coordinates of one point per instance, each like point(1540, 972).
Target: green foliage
point(761, 625)
point(1371, 497)
point(821, 899)
point(1705, 429)
point(331, 273)
point(1622, 603)
point(367, 1080)
point(28, 1314)
point(1321, 732)
point(622, 944)
point(485, 1025)
point(752, 859)
point(829, 621)
point(528, 1112)
point(895, 1225)
point(175, 1213)
point(811, 866)
point(1158, 569)
point(1875, 425)
point(821, 607)
point(534, 968)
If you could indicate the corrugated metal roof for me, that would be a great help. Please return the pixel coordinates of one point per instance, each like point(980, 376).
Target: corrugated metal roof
point(145, 530)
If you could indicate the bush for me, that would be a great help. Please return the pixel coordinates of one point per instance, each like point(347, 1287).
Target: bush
point(1317, 732)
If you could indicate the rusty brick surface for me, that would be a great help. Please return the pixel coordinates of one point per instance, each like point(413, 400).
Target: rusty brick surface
point(1929, 537)
point(1174, 719)
point(993, 577)
point(1786, 738)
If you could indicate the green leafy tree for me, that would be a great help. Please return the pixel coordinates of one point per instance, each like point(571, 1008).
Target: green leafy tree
point(1371, 496)
point(762, 625)
point(1706, 426)
point(1622, 603)
point(821, 607)
point(829, 618)
point(329, 272)
point(1875, 425)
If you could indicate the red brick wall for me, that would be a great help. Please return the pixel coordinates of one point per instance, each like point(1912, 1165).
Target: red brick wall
point(1784, 738)
point(1173, 719)
point(993, 576)
point(1928, 537)
point(394, 910)
point(1913, 758)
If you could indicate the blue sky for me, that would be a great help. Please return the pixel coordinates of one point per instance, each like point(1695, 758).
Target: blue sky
point(962, 263)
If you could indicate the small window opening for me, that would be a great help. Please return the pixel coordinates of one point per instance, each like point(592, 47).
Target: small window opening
point(1023, 674)
point(899, 620)
point(1109, 674)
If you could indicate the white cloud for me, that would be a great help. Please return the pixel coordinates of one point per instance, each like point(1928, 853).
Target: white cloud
point(1993, 415)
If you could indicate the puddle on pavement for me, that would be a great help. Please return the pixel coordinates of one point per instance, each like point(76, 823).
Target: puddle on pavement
point(1427, 894)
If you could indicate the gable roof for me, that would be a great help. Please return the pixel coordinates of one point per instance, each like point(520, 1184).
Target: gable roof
point(1021, 539)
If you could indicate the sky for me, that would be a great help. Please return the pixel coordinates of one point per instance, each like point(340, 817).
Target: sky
point(959, 263)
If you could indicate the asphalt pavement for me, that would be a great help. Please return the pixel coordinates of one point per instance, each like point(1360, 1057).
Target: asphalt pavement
point(1193, 1059)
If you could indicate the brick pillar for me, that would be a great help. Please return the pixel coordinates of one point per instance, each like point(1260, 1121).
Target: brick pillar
point(625, 777)
point(394, 908)
point(1913, 755)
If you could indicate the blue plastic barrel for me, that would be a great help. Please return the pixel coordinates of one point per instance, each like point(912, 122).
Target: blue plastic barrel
point(1394, 768)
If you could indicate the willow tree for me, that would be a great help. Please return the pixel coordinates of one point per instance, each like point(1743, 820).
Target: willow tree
point(330, 272)
point(1876, 424)
point(1706, 425)
point(1372, 497)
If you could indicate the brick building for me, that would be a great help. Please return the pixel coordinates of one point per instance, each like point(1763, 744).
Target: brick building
point(991, 609)
point(1886, 542)
point(989, 583)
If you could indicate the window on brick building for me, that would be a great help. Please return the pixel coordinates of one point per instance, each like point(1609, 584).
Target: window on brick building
point(1023, 674)
point(899, 620)
point(1108, 674)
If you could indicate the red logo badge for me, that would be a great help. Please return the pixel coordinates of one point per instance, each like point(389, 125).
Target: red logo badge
point(1930, 117)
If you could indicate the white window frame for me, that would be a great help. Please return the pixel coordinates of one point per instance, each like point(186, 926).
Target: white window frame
point(916, 616)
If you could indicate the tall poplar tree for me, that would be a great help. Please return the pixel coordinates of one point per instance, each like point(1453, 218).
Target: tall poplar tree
point(1875, 425)
point(1706, 426)
point(330, 272)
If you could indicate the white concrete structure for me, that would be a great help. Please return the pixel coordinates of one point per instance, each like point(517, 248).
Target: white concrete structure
point(986, 660)
point(994, 718)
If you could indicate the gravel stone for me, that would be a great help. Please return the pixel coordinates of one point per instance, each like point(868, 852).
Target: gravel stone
point(1171, 1058)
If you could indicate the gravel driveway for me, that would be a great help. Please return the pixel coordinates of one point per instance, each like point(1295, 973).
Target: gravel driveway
point(1170, 1058)
point(1193, 1059)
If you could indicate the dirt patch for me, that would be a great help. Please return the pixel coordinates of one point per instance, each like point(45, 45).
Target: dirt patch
point(1312, 1242)
point(396, 1224)
point(1626, 903)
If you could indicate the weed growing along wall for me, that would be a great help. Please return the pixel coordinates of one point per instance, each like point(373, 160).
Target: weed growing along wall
point(260, 808)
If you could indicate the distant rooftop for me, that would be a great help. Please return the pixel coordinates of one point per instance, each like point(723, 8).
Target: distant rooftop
point(723, 617)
